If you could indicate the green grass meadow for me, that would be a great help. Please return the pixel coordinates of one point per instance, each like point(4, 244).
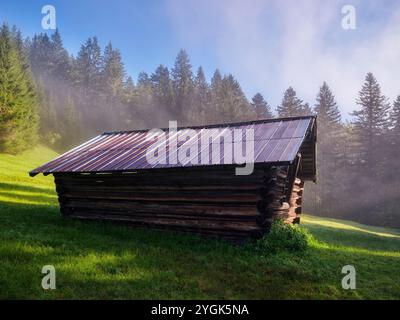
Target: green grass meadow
point(96, 260)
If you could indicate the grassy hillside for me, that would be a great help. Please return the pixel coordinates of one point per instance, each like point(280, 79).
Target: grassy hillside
point(98, 260)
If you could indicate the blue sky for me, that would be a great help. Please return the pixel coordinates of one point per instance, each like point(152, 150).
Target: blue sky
point(266, 45)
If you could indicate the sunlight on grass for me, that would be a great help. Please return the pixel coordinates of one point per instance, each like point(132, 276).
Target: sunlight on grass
point(346, 225)
point(17, 186)
point(355, 250)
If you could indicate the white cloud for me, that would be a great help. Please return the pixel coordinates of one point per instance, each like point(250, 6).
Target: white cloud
point(270, 45)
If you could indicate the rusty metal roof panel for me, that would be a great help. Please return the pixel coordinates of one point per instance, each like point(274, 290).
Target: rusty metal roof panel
point(275, 141)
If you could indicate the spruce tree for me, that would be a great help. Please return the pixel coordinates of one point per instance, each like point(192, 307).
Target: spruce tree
point(113, 72)
point(61, 62)
point(182, 80)
point(22, 47)
point(40, 56)
point(112, 89)
point(395, 120)
point(18, 104)
point(261, 107)
point(162, 90)
point(371, 128)
point(233, 105)
point(144, 114)
point(88, 65)
point(129, 90)
point(215, 97)
point(52, 69)
point(202, 99)
point(49, 125)
point(329, 154)
point(87, 80)
point(129, 85)
point(291, 105)
point(326, 107)
point(371, 122)
point(71, 126)
point(395, 137)
point(143, 79)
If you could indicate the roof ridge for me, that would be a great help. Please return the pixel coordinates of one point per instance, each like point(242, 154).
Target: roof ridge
point(217, 125)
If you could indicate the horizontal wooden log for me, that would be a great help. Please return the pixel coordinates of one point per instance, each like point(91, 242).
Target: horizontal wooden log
point(194, 198)
point(165, 185)
point(253, 194)
point(172, 218)
point(250, 188)
point(212, 225)
point(135, 207)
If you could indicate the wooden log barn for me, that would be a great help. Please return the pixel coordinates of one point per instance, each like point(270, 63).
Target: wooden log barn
point(108, 178)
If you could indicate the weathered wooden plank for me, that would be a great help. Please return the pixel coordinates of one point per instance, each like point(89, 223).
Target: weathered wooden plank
point(135, 207)
point(215, 198)
point(202, 224)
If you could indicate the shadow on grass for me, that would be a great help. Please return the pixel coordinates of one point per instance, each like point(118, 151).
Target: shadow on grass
point(10, 187)
point(27, 197)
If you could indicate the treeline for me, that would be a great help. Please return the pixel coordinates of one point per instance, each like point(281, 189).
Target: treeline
point(49, 95)
point(18, 103)
point(358, 165)
point(82, 96)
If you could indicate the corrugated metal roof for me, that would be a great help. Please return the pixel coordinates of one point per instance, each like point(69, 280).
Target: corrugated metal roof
point(275, 141)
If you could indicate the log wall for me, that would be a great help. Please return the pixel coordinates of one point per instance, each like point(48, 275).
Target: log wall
point(212, 201)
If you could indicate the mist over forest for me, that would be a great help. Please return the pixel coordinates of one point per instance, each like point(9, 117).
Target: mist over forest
point(51, 97)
